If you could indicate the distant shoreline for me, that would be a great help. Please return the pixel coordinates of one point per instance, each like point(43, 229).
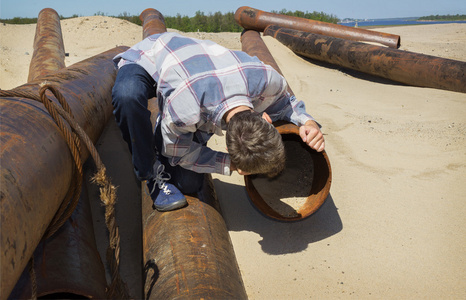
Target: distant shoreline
point(394, 22)
point(442, 20)
point(386, 26)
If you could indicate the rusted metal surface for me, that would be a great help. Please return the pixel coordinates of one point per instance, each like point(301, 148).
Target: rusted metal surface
point(321, 180)
point(187, 252)
point(153, 22)
point(67, 263)
point(49, 50)
point(253, 44)
point(36, 163)
point(397, 65)
point(251, 18)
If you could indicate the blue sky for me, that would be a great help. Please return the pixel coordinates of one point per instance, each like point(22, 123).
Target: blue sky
point(359, 9)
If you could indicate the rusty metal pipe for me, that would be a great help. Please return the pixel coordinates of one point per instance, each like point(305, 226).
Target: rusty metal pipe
point(187, 252)
point(153, 22)
point(251, 18)
point(397, 65)
point(321, 181)
point(253, 45)
point(68, 263)
point(49, 50)
point(36, 162)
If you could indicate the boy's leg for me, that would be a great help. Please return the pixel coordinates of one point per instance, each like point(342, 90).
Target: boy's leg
point(133, 87)
point(187, 181)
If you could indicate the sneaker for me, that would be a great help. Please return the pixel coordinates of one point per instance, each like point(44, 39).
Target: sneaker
point(165, 195)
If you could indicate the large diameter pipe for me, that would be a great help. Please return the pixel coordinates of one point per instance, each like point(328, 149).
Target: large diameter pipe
point(68, 264)
point(311, 160)
point(254, 19)
point(397, 65)
point(153, 22)
point(253, 45)
point(36, 162)
point(188, 252)
point(49, 50)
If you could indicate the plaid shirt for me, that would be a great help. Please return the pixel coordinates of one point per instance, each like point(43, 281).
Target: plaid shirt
point(197, 82)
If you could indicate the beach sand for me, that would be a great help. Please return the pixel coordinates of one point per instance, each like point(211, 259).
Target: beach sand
point(393, 226)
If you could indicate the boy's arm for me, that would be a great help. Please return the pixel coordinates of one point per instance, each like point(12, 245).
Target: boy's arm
point(180, 149)
point(288, 108)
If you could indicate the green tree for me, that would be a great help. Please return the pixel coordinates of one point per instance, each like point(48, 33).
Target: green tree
point(213, 22)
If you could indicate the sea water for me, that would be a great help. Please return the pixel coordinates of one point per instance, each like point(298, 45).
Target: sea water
point(392, 22)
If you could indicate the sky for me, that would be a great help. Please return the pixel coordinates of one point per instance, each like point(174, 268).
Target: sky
point(357, 9)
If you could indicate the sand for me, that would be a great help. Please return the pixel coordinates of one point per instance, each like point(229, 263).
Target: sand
point(288, 192)
point(393, 225)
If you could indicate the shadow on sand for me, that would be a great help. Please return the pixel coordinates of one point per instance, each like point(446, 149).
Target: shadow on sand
point(277, 237)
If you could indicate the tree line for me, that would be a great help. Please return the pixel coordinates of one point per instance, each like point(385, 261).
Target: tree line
point(219, 22)
point(457, 17)
point(216, 22)
point(211, 22)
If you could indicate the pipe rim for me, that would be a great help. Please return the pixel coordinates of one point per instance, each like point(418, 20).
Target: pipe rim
point(319, 191)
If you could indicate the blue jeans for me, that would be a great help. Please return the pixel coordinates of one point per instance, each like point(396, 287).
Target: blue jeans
point(133, 87)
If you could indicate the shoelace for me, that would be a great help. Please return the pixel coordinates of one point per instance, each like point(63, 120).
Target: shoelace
point(160, 180)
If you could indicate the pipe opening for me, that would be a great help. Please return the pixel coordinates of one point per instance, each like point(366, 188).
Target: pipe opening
point(288, 192)
point(301, 188)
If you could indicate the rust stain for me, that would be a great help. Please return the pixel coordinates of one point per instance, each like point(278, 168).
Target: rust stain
point(401, 66)
point(254, 19)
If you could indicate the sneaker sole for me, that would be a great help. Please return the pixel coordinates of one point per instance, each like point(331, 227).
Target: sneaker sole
point(173, 206)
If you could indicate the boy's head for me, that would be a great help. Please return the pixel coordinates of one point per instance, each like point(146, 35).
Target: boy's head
point(254, 145)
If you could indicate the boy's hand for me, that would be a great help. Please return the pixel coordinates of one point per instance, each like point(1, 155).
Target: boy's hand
point(312, 136)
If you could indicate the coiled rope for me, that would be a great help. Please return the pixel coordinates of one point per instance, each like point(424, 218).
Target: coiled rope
point(74, 136)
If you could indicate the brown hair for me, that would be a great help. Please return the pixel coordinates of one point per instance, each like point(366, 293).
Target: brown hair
point(254, 145)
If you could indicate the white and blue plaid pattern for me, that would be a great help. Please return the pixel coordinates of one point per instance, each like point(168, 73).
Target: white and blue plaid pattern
point(197, 82)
